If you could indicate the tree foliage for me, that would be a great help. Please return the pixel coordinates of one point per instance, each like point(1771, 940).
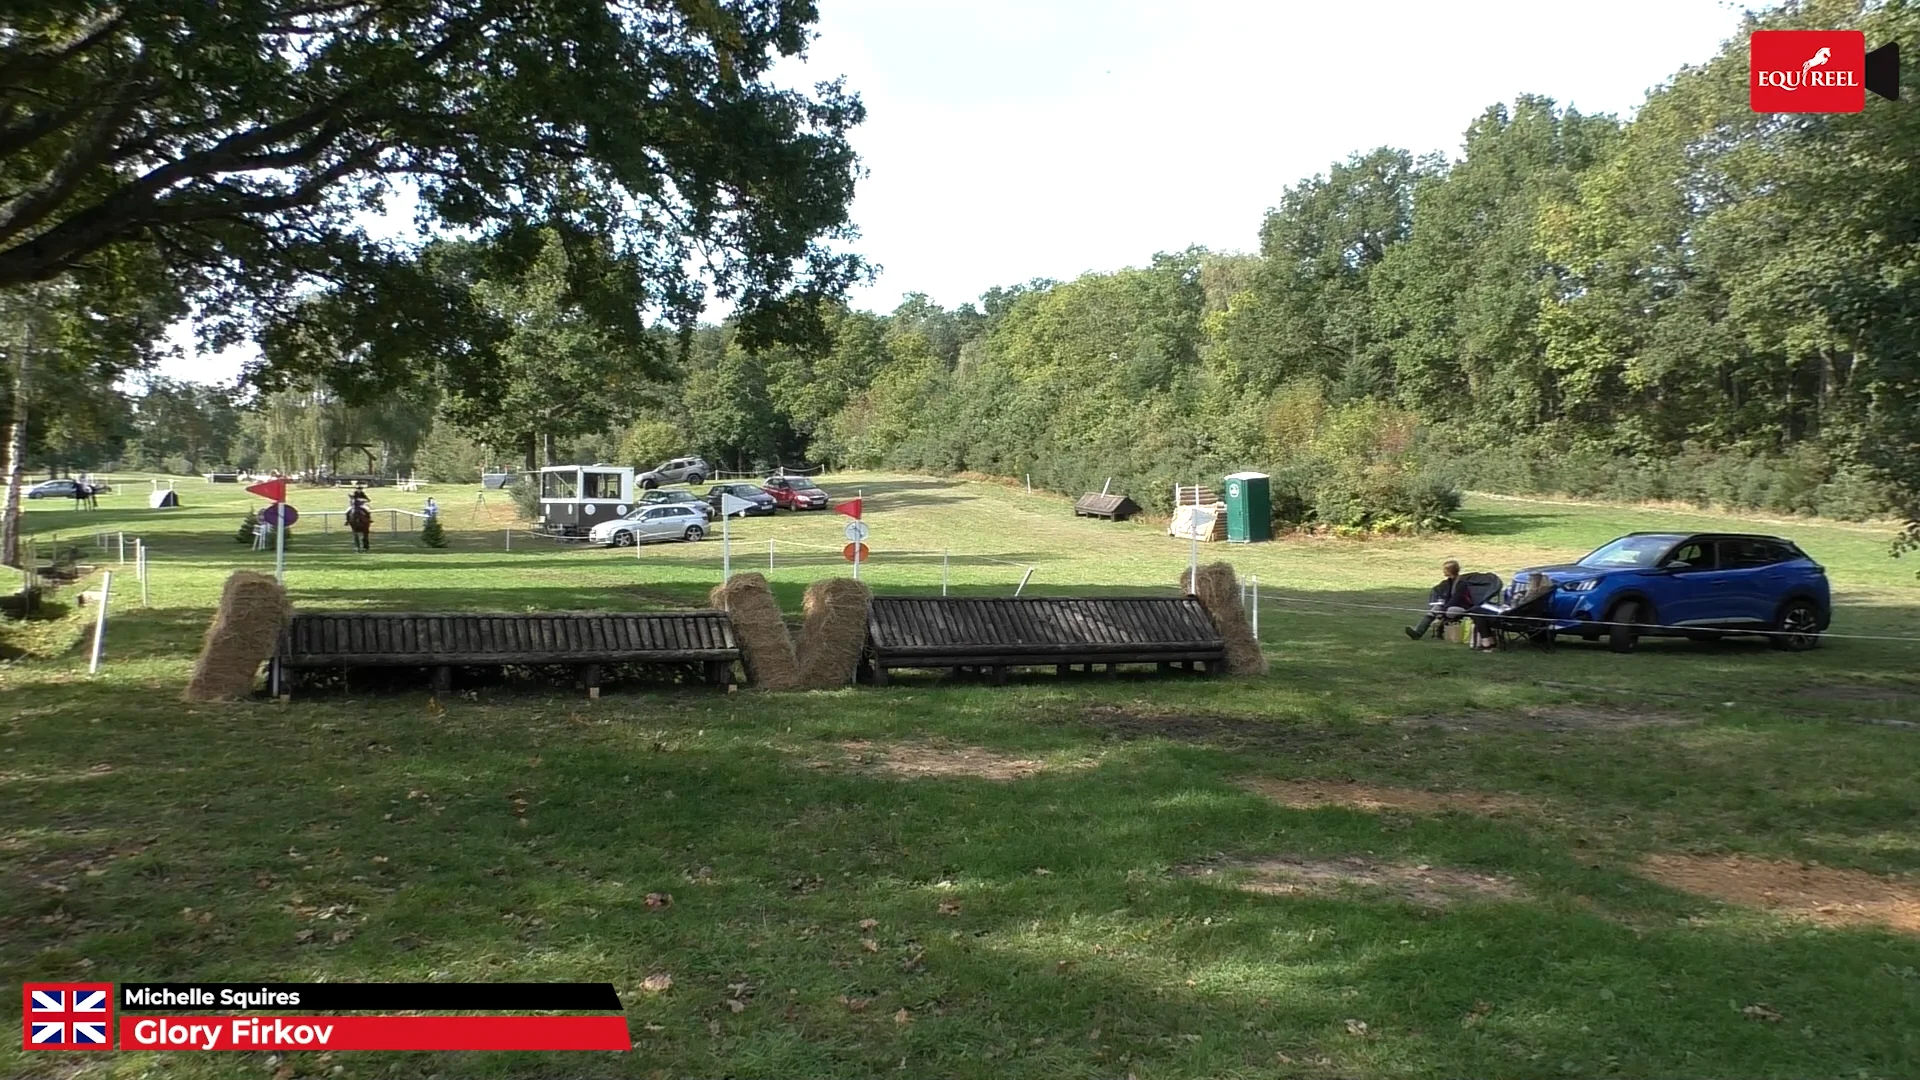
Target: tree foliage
point(240, 139)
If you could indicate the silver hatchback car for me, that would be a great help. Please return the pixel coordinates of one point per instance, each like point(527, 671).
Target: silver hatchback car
point(690, 470)
point(671, 521)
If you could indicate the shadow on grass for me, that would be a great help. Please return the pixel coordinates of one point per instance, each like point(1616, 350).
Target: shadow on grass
point(522, 844)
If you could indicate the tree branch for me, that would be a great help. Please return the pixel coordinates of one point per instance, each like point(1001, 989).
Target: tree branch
point(23, 65)
point(87, 153)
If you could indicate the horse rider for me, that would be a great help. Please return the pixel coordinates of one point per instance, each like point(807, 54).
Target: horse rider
point(357, 501)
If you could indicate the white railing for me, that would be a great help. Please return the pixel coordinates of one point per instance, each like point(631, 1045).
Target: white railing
point(414, 518)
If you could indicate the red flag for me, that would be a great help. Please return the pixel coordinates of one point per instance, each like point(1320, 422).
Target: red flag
point(851, 508)
point(270, 489)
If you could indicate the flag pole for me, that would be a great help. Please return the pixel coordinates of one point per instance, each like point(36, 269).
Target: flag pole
point(726, 545)
point(280, 543)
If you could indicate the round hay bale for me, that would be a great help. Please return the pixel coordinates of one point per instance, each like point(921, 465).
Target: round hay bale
point(246, 626)
point(1219, 592)
point(766, 649)
point(834, 633)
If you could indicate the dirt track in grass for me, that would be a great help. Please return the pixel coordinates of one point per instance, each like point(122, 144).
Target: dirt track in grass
point(1821, 894)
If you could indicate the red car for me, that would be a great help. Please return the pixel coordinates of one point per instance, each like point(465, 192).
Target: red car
point(795, 493)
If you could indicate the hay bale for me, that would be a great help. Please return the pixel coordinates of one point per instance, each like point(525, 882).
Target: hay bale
point(766, 649)
point(1219, 592)
point(253, 609)
point(834, 633)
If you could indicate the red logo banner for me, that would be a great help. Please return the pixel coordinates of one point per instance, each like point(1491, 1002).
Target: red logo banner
point(1807, 71)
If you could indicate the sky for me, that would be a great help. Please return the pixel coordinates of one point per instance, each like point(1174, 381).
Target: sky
point(1012, 139)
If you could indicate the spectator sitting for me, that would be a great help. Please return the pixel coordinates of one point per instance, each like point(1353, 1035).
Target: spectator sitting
point(1447, 600)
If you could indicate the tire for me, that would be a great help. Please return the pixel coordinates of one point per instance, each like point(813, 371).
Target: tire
point(694, 478)
point(648, 483)
point(694, 533)
point(1624, 634)
point(1796, 629)
point(623, 538)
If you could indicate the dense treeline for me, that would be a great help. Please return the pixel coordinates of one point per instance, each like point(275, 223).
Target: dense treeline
point(1702, 304)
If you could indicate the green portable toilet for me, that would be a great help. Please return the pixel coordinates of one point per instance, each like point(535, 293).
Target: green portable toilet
point(1249, 508)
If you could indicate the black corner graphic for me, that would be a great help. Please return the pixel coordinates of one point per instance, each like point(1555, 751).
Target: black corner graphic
point(1883, 71)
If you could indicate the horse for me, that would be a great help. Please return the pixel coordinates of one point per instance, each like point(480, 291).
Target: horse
point(360, 520)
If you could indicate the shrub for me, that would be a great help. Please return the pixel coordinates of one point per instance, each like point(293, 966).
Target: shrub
point(248, 527)
point(525, 493)
point(432, 534)
point(1357, 468)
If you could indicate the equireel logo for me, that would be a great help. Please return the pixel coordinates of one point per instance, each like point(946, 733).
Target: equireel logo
point(1819, 71)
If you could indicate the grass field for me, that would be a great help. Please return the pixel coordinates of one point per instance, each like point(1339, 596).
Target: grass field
point(1385, 859)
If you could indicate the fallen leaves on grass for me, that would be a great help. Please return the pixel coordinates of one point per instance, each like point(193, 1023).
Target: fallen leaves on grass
point(659, 900)
point(1432, 886)
point(1480, 1011)
point(868, 924)
point(736, 1005)
point(903, 1017)
point(869, 945)
point(940, 759)
point(1317, 794)
point(855, 1004)
point(658, 983)
point(1760, 1011)
point(1356, 1028)
point(949, 907)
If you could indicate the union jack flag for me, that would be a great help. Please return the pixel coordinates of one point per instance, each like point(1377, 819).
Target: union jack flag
point(68, 1016)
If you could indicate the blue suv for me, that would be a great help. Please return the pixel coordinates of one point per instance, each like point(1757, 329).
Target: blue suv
point(1698, 585)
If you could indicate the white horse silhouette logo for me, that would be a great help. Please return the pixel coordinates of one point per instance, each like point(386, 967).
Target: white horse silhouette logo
point(1818, 59)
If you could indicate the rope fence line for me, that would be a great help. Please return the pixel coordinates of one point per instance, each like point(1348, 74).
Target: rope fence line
point(1597, 623)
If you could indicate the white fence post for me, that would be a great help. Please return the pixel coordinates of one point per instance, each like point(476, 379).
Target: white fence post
point(1024, 578)
point(769, 556)
point(1256, 607)
point(100, 623)
point(123, 549)
point(143, 575)
point(509, 538)
point(943, 573)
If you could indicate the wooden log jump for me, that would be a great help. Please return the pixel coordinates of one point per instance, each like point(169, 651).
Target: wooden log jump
point(440, 642)
point(994, 635)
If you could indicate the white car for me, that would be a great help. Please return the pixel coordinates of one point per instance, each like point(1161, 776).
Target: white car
point(671, 521)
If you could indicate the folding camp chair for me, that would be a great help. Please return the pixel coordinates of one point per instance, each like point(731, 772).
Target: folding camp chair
point(1526, 617)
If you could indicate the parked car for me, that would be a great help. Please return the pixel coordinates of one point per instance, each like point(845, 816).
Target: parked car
point(762, 503)
point(677, 498)
point(1698, 585)
point(62, 488)
point(795, 493)
point(673, 521)
point(688, 470)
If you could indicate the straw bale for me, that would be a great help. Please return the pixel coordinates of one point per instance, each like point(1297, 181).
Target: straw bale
point(766, 649)
point(246, 626)
point(1219, 592)
point(834, 633)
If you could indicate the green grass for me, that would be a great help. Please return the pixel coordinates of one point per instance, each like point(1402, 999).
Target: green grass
point(515, 834)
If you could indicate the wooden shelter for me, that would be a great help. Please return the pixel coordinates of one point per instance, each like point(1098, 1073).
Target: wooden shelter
point(1110, 507)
